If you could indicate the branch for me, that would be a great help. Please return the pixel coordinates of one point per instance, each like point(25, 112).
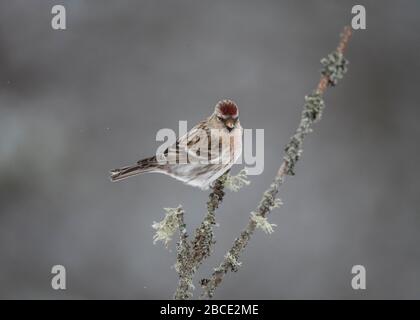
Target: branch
point(334, 68)
point(182, 267)
point(190, 256)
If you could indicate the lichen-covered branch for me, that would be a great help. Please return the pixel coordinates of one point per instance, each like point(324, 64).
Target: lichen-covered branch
point(191, 255)
point(204, 237)
point(334, 68)
point(182, 266)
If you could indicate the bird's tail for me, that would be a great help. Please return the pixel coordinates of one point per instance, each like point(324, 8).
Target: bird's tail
point(142, 166)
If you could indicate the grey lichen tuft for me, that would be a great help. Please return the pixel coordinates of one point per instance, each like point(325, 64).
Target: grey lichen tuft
point(235, 183)
point(312, 111)
point(262, 223)
point(334, 67)
point(232, 262)
point(166, 228)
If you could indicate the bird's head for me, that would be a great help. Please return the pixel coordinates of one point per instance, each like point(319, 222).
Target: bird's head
point(227, 113)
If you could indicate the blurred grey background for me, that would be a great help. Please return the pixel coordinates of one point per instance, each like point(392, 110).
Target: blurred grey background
point(76, 103)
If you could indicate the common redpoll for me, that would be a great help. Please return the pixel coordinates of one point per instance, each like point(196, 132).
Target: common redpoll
point(200, 156)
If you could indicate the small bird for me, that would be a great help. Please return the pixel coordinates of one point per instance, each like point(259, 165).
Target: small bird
point(200, 156)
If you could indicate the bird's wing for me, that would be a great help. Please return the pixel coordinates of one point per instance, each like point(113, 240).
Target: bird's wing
point(193, 147)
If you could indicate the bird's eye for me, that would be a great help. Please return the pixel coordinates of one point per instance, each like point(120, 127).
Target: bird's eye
point(220, 118)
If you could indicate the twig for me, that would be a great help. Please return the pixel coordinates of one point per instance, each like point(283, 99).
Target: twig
point(334, 68)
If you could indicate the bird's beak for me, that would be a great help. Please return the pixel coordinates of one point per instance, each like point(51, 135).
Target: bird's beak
point(230, 124)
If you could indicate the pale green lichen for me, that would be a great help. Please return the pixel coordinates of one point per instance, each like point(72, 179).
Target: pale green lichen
point(277, 203)
point(334, 67)
point(232, 261)
point(238, 181)
point(262, 222)
point(166, 228)
point(312, 112)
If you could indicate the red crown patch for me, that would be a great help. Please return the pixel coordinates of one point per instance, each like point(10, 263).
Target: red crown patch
point(228, 108)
